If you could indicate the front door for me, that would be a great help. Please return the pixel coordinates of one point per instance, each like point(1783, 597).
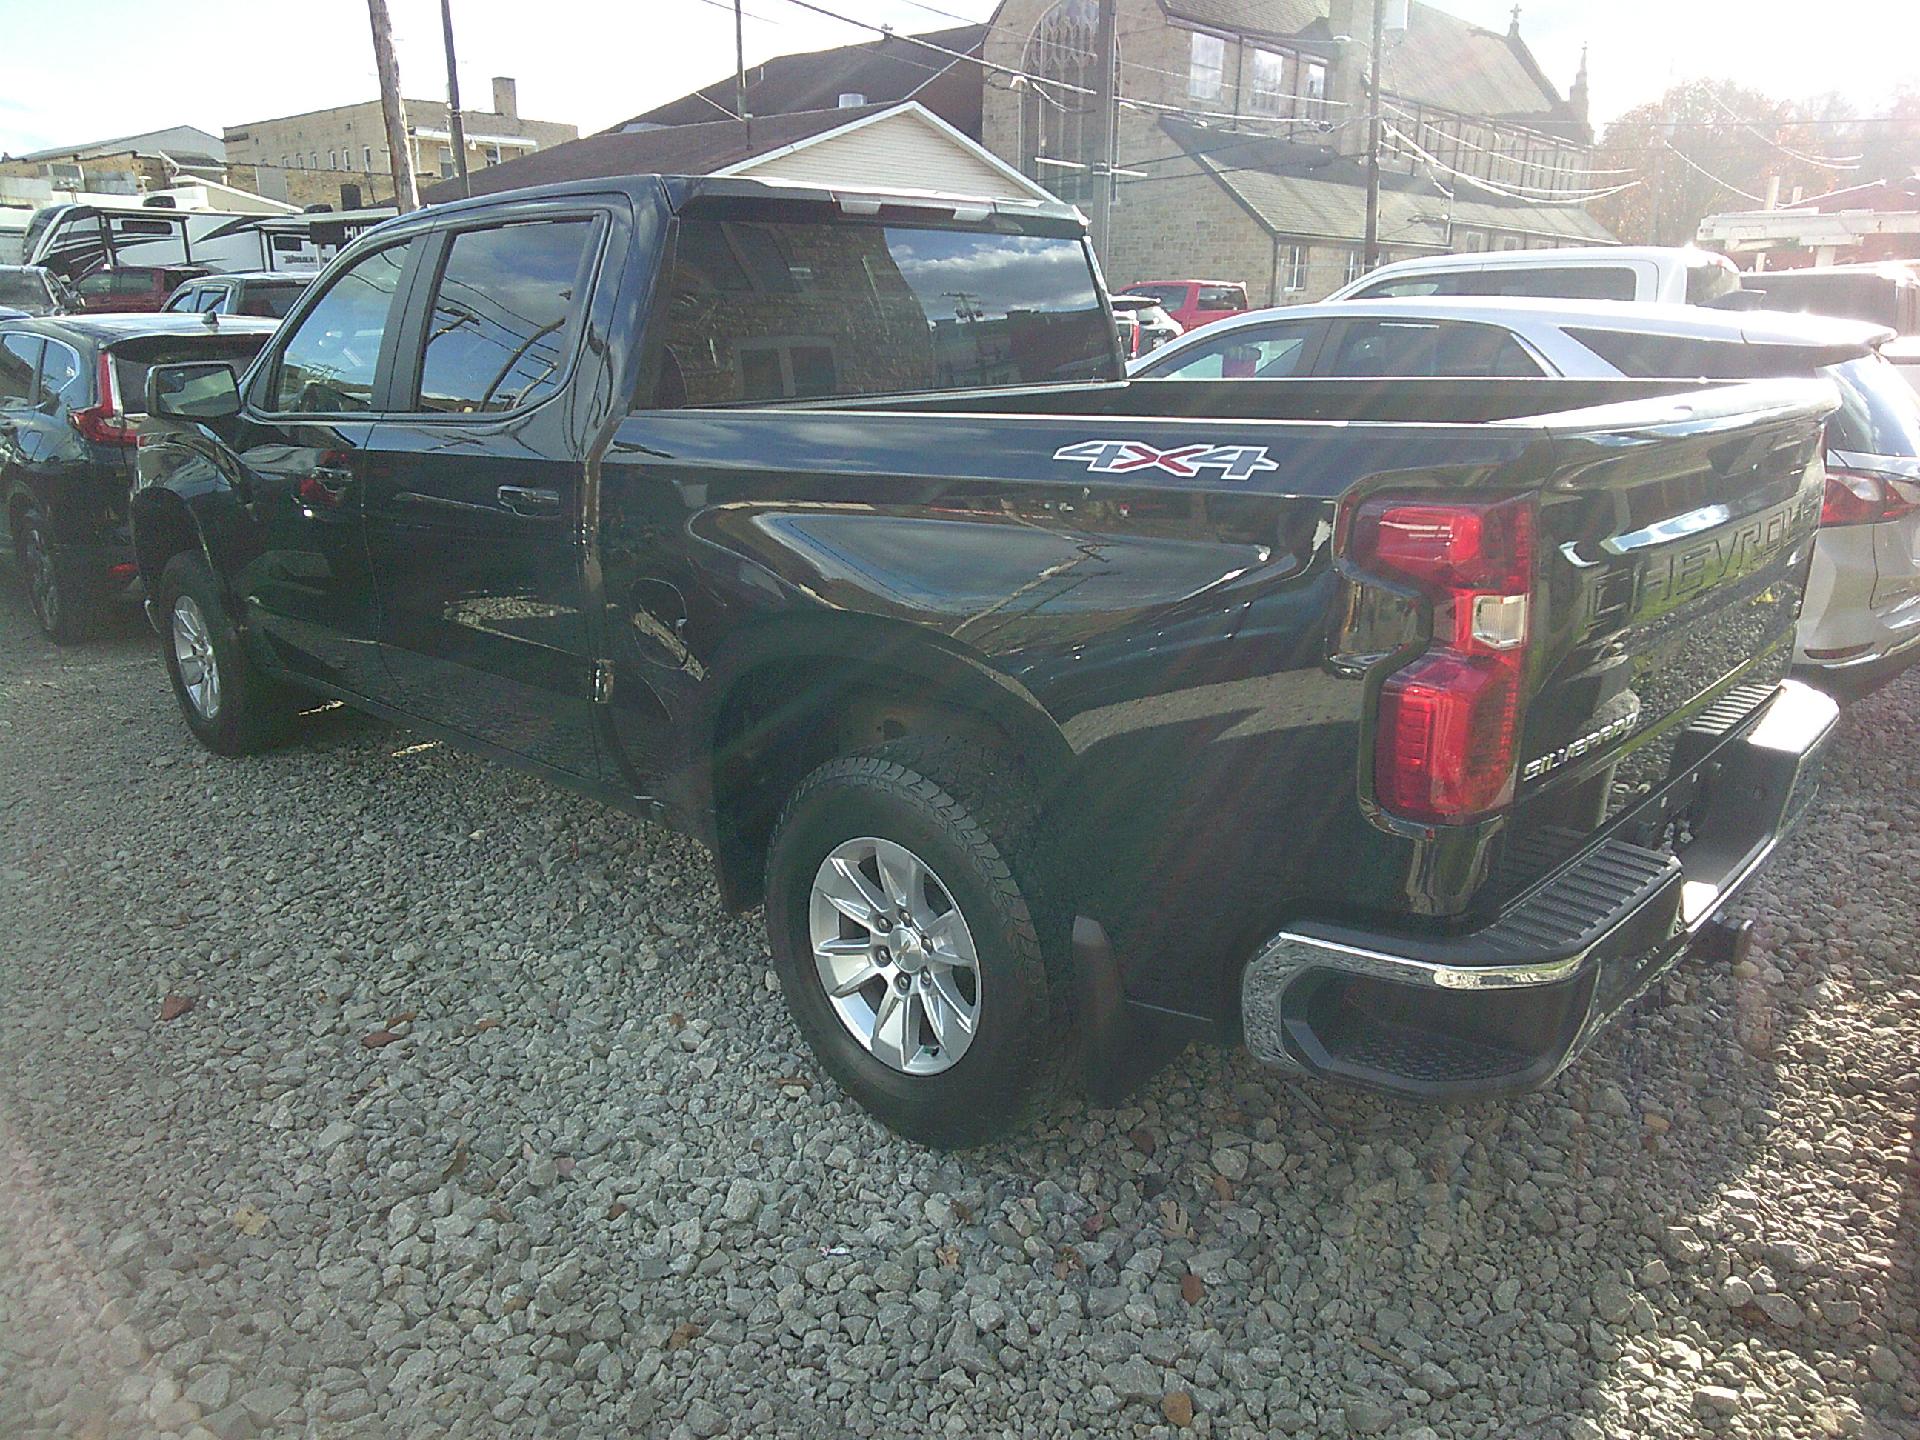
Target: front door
point(304, 445)
point(476, 524)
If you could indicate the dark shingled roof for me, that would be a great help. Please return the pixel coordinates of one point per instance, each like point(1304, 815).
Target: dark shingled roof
point(1308, 191)
point(886, 71)
point(672, 150)
point(1442, 60)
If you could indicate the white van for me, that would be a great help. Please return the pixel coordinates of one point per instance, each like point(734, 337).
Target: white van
point(1663, 274)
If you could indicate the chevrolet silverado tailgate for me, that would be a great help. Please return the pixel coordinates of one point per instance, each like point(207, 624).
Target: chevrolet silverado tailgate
point(1674, 544)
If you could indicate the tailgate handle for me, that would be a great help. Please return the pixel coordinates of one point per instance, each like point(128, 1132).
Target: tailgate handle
point(529, 500)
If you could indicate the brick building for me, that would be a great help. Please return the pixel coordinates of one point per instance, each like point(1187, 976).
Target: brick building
point(340, 157)
point(1242, 130)
point(126, 165)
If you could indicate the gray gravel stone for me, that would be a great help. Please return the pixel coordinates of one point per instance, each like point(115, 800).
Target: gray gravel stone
point(598, 1188)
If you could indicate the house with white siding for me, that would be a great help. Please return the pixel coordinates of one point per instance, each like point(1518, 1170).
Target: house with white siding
point(899, 146)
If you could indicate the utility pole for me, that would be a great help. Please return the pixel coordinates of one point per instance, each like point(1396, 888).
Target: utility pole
point(1106, 102)
point(1370, 253)
point(406, 195)
point(740, 72)
point(458, 128)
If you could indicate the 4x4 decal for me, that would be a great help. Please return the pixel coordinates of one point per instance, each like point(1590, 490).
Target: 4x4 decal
point(1118, 457)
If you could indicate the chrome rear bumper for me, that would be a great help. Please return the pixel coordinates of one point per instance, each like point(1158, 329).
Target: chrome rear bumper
point(1506, 1007)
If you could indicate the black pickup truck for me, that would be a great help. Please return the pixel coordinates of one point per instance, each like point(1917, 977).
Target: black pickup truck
point(1404, 737)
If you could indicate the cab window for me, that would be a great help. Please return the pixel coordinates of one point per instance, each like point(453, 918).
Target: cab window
point(327, 365)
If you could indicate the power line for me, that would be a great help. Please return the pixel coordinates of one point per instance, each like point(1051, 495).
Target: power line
point(1790, 154)
point(1516, 193)
point(1511, 159)
point(1702, 170)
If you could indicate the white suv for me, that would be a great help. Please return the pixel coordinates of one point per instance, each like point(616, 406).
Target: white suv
point(1861, 623)
point(1643, 274)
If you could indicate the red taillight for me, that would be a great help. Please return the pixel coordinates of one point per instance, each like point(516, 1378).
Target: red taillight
point(102, 422)
point(1860, 497)
point(1449, 723)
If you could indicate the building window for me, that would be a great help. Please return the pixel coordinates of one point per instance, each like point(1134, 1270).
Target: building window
point(1057, 140)
point(1473, 242)
point(1315, 90)
point(283, 163)
point(313, 159)
point(1273, 79)
point(333, 159)
point(1206, 72)
point(366, 157)
point(1293, 269)
point(1356, 265)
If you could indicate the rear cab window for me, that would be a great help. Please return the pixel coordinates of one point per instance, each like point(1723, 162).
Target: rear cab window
point(762, 310)
point(1170, 297)
point(271, 302)
point(1221, 297)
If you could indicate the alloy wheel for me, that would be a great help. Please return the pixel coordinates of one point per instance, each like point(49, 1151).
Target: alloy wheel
point(43, 585)
point(193, 650)
point(894, 956)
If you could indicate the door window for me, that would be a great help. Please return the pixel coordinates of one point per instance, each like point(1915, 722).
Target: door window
point(1429, 348)
point(61, 376)
point(18, 356)
point(1271, 353)
point(96, 286)
point(329, 361)
point(499, 335)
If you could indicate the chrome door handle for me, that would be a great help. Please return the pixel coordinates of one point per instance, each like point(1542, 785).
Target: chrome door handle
point(528, 500)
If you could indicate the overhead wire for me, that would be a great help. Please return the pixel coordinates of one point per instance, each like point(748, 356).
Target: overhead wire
point(1693, 165)
point(1542, 196)
point(1851, 162)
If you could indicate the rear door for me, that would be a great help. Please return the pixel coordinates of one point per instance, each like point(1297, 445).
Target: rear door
point(477, 521)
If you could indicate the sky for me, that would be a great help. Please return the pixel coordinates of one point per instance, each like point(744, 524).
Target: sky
point(595, 63)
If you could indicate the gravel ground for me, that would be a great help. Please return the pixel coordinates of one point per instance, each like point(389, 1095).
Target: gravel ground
point(481, 1118)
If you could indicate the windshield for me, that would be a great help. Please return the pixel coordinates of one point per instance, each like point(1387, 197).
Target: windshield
point(1879, 412)
point(24, 290)
point(770, 311)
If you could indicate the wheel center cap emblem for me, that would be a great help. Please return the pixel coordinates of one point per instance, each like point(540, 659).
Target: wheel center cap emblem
point(910, 951)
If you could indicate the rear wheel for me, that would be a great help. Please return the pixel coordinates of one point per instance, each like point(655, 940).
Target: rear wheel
point(63, 612)
point(228, 704)
point(907, 935)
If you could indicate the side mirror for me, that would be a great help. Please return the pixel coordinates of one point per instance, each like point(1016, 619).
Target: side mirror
point(200, 390)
